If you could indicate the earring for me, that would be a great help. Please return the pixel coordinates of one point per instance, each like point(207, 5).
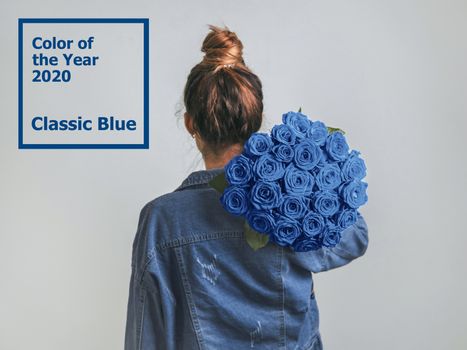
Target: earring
point(193, 135)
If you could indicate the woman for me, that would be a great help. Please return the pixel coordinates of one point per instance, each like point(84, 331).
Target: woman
point(195, 282)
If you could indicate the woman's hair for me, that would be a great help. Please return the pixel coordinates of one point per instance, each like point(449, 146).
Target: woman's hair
point(222, 95)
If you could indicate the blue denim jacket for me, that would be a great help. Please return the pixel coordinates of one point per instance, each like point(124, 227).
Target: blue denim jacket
point(196, 283)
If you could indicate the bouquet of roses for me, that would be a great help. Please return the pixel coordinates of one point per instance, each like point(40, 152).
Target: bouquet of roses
point(298, 186)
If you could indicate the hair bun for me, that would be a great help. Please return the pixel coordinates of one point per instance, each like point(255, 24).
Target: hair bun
point(222, 47)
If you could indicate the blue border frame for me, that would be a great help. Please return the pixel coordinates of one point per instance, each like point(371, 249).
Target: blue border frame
point(145, 144)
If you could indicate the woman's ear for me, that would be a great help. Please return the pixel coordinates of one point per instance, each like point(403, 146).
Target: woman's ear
point(188, 123)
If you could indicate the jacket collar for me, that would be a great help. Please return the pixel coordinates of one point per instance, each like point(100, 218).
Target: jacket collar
point(199, 177)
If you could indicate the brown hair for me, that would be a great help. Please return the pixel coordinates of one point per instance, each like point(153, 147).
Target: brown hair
point(222, 95)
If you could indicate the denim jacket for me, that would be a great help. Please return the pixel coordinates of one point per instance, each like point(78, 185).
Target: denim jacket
point(196, 284)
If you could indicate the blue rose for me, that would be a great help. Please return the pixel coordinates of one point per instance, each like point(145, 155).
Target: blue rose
point(354, 167)
point(308, 203)
point(318, 133)
point(346, 218)
point(238, 170)
point(267, 168)
point(293, 207)
point(235, 199)
point(298, 122)
point(324, 161)
point(283, 133)
point(266, 195)
point(326, 202)
point(285, 231)
point(329, 177)
point(337, 146)
point(261, 221)
point(306, 155)
point(258, 143)
point(298, 182)
point(354, 193)
point(283, 153)
point(332, 236)
point(305, 243)
point(313, 224)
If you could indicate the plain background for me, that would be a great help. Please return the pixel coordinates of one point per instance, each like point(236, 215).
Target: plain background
point(392, 74)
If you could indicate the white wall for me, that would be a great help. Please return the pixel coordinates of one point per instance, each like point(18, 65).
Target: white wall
point(392, 74)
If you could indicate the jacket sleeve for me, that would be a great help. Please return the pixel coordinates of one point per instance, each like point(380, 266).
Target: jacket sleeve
point(353, 244)
point(144, 316)
point(134, 314)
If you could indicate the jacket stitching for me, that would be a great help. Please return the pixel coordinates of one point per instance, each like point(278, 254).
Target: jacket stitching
point(191, 305)
point(197, 238)
point(141, 321)
point(283, 335)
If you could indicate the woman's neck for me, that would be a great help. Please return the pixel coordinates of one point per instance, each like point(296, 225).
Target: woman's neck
point(219, 161)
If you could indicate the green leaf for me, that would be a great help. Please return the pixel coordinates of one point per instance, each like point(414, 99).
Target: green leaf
point(300, 110)
point(331, 130)
point(255, 239)
point(219, 182)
